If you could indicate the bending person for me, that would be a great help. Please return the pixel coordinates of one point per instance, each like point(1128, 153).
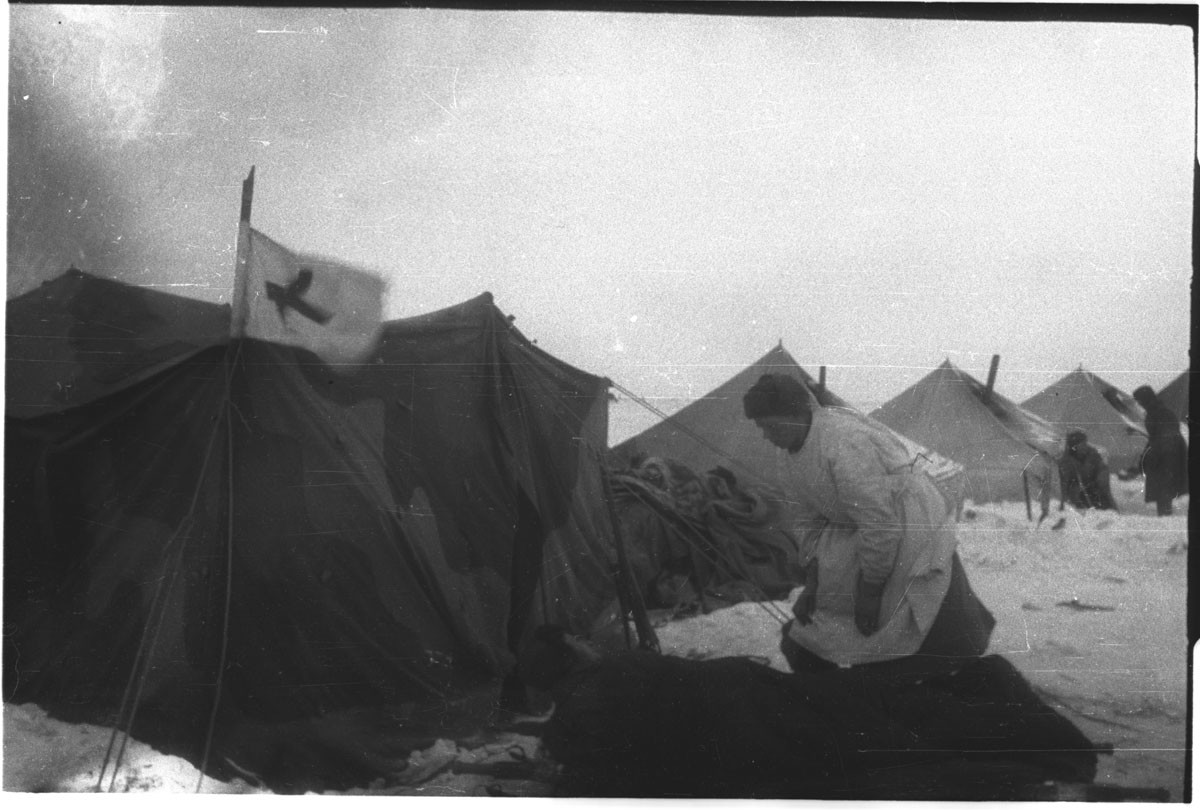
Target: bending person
point(886, 588)
point(1083, 475)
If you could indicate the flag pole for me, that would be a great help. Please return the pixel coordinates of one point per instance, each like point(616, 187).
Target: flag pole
point(237, 329)
point(241, 308)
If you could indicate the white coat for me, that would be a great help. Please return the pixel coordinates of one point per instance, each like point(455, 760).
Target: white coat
point(877, 515)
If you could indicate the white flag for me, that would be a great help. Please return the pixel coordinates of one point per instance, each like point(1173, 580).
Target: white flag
point(332, 309)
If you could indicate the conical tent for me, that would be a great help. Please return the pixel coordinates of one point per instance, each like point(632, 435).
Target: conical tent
point(205, 535)
point(1175, 395)
point(1110, 417)
point(714, 431)
point(993, 438)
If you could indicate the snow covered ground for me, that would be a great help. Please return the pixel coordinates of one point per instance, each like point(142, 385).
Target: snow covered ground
point(1094, 614)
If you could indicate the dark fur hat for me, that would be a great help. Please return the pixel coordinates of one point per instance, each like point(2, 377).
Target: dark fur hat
point(776, 395)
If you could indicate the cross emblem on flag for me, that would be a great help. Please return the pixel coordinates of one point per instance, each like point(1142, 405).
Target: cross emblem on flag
point(325, 306)
point(292, 296)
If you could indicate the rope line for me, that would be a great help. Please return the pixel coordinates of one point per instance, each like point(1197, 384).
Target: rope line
point(130, 684)
point(222, 658)
point(139, 672)
point(146, 671)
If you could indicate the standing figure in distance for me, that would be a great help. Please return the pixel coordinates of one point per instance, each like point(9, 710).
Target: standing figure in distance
point(885, 587)
point(1083, 475)
point(1164, 461)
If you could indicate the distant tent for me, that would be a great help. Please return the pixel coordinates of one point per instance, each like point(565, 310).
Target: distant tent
point(714, 431)
point(1175, 395)
point(993, 438)
point(201, 528)
point(1110, 417)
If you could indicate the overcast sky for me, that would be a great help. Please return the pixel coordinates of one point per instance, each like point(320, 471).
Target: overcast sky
point(658, 199)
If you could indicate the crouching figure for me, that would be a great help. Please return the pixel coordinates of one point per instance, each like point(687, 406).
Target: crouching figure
point(885, 587)
point(1083, 475)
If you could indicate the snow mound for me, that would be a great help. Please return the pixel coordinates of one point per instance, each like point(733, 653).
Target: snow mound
point(58, 757)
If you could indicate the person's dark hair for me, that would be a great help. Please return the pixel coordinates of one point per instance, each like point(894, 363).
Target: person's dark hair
point(1144, 395)
point(1076, 438)
point(776, 395)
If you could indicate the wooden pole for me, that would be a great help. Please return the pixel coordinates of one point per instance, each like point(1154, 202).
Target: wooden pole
point(237, 328)
point(241, 309)
point(821, 382)
point(1028, 503)
point(991, 380)
point(247, 195)
point(626, 584)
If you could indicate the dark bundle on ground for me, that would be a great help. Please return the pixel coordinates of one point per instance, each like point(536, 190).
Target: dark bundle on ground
point(697, 540)
point(639, 724)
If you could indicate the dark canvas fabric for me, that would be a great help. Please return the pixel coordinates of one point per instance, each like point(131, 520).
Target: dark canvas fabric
point(79, 337)
point(246, 531)
point(643, 725)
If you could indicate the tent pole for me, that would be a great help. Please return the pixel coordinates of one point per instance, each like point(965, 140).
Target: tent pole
point(991, 380)
point(1028, 503)
point(647, 638)
point(821, 382)
point(237, 331)
point(241, 311)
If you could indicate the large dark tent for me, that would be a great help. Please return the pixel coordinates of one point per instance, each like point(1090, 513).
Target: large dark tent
point(1110, 417)
point(996, 440)
point(226, 543)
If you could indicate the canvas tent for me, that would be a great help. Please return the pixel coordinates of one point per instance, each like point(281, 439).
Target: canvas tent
point(212, 535)
point(714, 431)
point(1175, 395)
point(994, 439)
point(1110, 417)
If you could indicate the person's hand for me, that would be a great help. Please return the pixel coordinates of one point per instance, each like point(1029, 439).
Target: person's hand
point(806, 603)
point(868, 601)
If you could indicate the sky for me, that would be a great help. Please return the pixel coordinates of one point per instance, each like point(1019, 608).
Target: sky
point(657, 198)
